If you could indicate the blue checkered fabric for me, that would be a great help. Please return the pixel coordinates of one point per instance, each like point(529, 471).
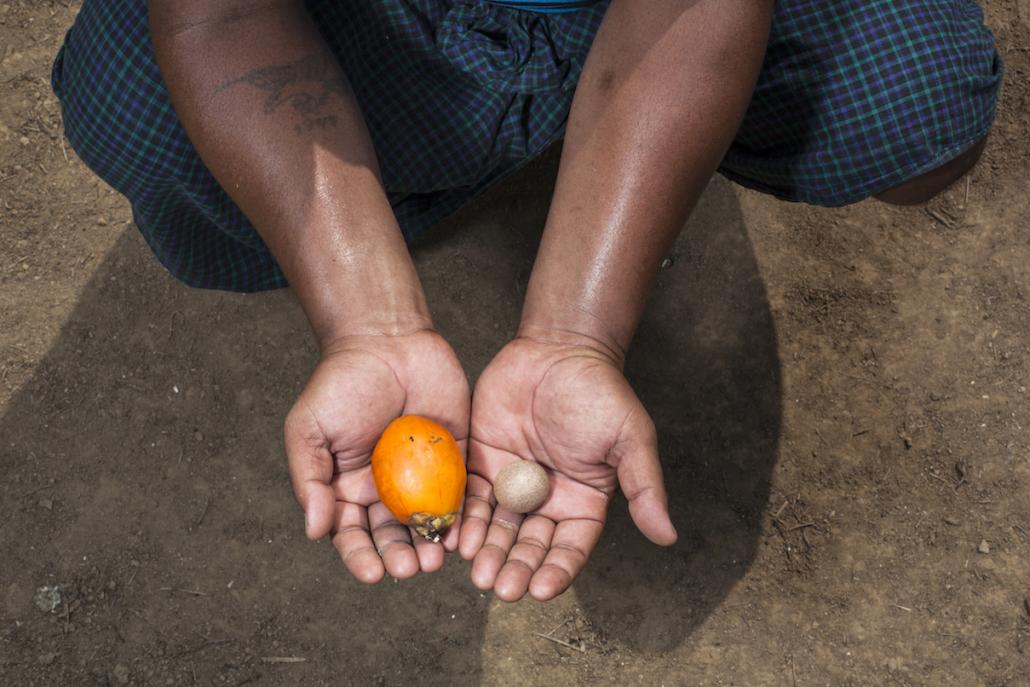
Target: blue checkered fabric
point(545, 5)
point(855, 96)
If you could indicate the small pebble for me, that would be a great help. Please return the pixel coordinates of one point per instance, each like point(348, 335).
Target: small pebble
point(47, 504)
point(24, 140)
point(47, 658)
point(47, 598)
point(121, 674)
point(101, 221)
point(984, 547)
point(245, 399)
point(951, 521)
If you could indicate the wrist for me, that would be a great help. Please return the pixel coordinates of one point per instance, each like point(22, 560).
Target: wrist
point(581, 332)
point(353, 273)
point(396, 325)
point(386, 310)
point(370, 289)
point(416, 333)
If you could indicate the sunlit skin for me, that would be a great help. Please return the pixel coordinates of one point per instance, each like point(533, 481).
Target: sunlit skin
point(318, 203)
point(658, 102)
point(661, 94)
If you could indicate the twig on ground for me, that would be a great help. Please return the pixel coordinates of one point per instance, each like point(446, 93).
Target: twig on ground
point(201, 647)
point(940, 218)
point(283, 659)
point(16, 262)
point(203, 513)
point(561, 642)
point(801, 526)
point(559, 626)
point(43, 488)
point(184, 591)
point(171, 323)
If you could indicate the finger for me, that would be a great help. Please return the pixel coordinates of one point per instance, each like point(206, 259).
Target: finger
point(393, 542)
point(499, 539)
point(525, 558)
point(475, 516)
point(640, 477)
point(311, 469)
point(571, 545)
point(452, 536)
point(354, 544)
point(430, 554)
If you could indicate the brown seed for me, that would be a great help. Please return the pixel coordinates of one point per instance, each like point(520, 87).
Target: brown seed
point(521, 486)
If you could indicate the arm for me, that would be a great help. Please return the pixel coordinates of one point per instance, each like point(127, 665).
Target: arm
point(661, 96)
point(274, 119)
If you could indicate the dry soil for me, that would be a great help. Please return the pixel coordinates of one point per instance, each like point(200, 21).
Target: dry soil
point(841, 396)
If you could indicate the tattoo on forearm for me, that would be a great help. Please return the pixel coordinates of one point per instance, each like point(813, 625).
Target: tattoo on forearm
point(306, 85)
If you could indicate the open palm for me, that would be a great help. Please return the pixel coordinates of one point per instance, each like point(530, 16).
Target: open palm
point(362, 384)
point(570, 409)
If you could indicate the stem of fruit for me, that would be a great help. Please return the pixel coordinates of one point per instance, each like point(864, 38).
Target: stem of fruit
point(431, 526)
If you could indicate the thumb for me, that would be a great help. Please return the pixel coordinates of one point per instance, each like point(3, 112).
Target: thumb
point(640, 477)
point(311, 469)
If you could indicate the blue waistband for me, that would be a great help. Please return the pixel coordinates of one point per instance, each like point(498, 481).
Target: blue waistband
point(548, 6)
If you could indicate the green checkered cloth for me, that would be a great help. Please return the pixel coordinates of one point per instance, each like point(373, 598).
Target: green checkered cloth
point(855, 96)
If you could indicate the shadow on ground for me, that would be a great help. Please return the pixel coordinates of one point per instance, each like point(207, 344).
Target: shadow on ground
point(705, 364)
point(143, 472)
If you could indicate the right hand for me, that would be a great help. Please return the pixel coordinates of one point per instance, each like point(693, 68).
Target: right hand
point(361, 384)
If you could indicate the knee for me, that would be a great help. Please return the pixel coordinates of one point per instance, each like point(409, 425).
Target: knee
point(924, 187)
point(116, 111)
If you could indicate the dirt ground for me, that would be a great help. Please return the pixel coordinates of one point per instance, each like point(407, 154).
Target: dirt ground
point(841, 397)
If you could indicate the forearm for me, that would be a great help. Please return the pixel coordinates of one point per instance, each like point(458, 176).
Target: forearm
point(661, 96)
point(274, 119)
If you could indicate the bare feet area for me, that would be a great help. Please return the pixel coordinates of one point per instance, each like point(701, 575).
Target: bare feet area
point(841, 397)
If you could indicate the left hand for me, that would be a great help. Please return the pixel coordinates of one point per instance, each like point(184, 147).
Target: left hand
point(564, 403)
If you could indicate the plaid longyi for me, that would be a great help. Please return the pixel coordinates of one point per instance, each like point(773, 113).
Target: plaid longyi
point(855, 96)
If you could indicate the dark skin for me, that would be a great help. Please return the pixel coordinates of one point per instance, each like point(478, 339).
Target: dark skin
point(273, 117)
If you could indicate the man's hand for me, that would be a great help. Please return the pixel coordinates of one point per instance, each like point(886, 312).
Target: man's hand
point(568, 407)
point(275, 120)
point(360, 385)
point(660, 97)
